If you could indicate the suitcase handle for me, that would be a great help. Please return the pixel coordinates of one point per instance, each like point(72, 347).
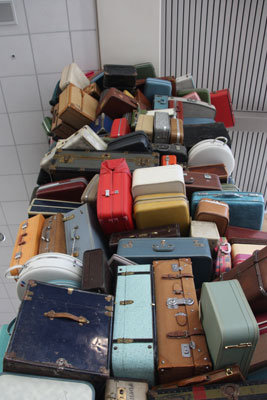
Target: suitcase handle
point(7, 273)
point(52, 314)
point(227, 195)
point(162, 248)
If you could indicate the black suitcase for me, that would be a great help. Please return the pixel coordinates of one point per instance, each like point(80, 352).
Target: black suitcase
point(137, 142)
point(97, 275)
point(195, 133)
point(171, 149)
point(120, 76)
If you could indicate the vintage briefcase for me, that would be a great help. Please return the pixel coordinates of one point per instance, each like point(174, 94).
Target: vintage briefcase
point(65, 190)
point(231, 329)
point(72, 325)
point(93, 90)
point(171, 149)
point(134, 343)
point(178, 324)
point(194, 134)
point(145, 250)
point(115, 103)
point(53, 235)
point(119, 76)
point(161, 127)
point(125, 389)
point(60, 128)
point(96, 275)
point(223, 260)
point(136, 142)
point(51, 207)
point(217, 169)
point(196, 181)
point(145, 70)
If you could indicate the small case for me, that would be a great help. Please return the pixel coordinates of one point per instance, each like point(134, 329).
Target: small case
point(93, 90)
point(206, 230)
point(73, 74)
point(60, 128)
point(221, 99)
point(65, 190)
point(161, 128)
point(217, 169)
point(177, 131)
point(195, 133)
point(84, 139)
point(137, 142)
point(196, 181)
point(115, 103)
point(55, 96)
point(202, 93)
point(157, 86)
point(145, 70)
point(168, 160)
point(195, 108)
point(53, 236)
point(171, 149)
point(89, 194)
point(120, 127)
point(192, 96)
point(96, 275)
point(102, 124)
point(223, 260)
point(160, 102)
point(185, 82)
point(142, 100)
point(119, 76)
point(145, 123)
point(213, 211)
point(125, 389)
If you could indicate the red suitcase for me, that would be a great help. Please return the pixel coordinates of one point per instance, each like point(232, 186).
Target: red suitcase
point(114, 198)
point(178, 105)
point(234, 233)
point(120, 127)
point(222, 101)
point(168, 160)
point(66, 190)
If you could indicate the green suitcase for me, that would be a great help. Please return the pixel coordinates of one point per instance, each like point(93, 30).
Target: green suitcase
point(230, 187)
point(204, 94)
point(231, 329)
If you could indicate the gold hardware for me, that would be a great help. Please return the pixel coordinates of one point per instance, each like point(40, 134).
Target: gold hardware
point(27, 295)
point(121, 394)
point(124, 340)
point(52, 314)
point(229, 371)
point(197, 244)
point(126, 302)
point(238, 346)
point(108, 298)
point(68, 218)
point(128, 245)
point(70, 290)
point(109, 308)
point(75, 254)
point(32, 283)
point(127, 273)
point(109, 313)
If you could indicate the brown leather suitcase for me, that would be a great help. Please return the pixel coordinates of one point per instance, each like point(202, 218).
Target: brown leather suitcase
point(58, 127)
point(217, 169)
point(96, 275)
point(235, 233)
point(198, 181)
point(115, 103)
point(53, 235)
point(252, 276)
point(213, 211)
point(177, 131)
point(142, 100)
point(182, 347)
point(93, 90)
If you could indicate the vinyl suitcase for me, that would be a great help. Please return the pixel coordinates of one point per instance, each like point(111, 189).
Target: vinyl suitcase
point(85, 139)
point(194, 134)
point(90, 192)
point(102, 124)
point(96, 275)
point(120, 127)
point(145, 70)
point(206, 230)
point(160, 102)
point(119, 76)
point(116, 388)
point(171, 149)
point(73, 74)
point(204, 94)
point(146, 250)
point(185, 82)
point(157, 86)
point(235, 233)
point(60, 128)
point(67, 189)
point(134, 344)
point(177, 131)
point(115, 104)
point(194, 108)
point(221, 99)
point(51, 207)
point(162, 128)
point(137, 142)
point(178, 324)
point(53, 236)
point(66, 323)
point(196, 181)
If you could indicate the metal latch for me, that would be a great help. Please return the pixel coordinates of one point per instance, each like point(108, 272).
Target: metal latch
point(173, 302)
point(18, 255)
point(121, 394)
point(24, 226)
point(207, 176)
point(186, 350)
point(175, 268)
point(126, 302)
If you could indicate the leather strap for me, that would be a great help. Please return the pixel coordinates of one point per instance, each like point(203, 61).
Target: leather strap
point(184, 334)
point(177, 276)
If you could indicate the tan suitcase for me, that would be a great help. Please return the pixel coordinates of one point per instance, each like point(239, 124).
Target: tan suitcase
point(177, 131)
point(53, 235)
point(145, 123)
point(58, 127)
point(206, 230)
point(213, 211)
point(182, 347)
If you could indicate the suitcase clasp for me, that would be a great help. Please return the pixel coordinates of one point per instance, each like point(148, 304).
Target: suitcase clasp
point(238, 346)
point(121, 394)
point(126, 302)
point(173, 302)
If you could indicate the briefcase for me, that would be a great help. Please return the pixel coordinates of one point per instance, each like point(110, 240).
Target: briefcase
point(97, 275)
point(115, 103)
point(136, 142)
point(196, 181)
point(53, 235)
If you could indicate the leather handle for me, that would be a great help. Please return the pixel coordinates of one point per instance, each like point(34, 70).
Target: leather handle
point(52, 314)
point(162, 248)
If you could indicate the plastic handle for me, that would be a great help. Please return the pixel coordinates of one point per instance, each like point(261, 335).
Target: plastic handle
point(12, 269)
point(52, 314)
point(168, 248)
point(222, 139)
point(227, 195)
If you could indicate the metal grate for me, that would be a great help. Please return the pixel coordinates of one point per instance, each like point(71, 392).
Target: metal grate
point(222, 43)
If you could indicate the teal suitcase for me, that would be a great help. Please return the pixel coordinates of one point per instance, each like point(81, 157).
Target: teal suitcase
point(5, 334)
point(231, 329)
point(134, 337)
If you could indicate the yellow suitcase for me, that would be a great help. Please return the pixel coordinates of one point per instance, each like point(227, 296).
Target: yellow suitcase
point(27, 241)
point(162, 209)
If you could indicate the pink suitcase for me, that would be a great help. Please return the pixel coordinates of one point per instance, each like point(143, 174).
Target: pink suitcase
point(67, 189)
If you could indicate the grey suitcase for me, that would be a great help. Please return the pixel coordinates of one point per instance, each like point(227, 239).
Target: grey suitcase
point(162, 128)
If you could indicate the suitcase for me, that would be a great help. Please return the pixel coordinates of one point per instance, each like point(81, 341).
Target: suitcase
point(160, 102)
point(90, 192)
point(161, 128)
point(96, 275)
point(114, 200)
point(154, 210)
point(206, 230)
point(137, 142)
point(223, 260)
point(72, 74)
point(195, 108)
point(72, 325)
point(178, 324)
point(170, 111)
point(82, 231)
point(202, 93)
point(171, 149)
point(126, 389)
point(177, 106)
point(198, 121)
point(60, 128)
point(145, 70)
point(143, 102)
point(53, 236)
point(67, 189)
point(27, 241)
point(242, 203)
point(172, 230)
point(241, 252)
point(45, 161)
point(146, 250)
point(98, 78)
point(5, 333)
point(145, 123)
point(185, 82)
point(221, 99)
point(192, 96)
point(168, 160)
point(217, 169)
point(119, 76)
point(66, 164)
point(258, 365)
point(93, 90)
point(230, 187)
point(47, 124)
point(55, 96)
point(157, 86)
point(115, 104)
point(155, 180)
point(102, 124)
point(120, 127)
point(194, 134)
point(134, 344)
point(235, 233)
point(76, 107)
point(84, 139)
point(196, 181)
point(213, 211)
point(177, 131)
point(51, 207)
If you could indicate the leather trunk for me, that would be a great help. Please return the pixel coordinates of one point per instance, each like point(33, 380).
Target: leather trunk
point(197, 181)
point(252, 276)
point(53, 235)
point(96, 275)
point(182, 347)
point(217, 169)
point(115, 104)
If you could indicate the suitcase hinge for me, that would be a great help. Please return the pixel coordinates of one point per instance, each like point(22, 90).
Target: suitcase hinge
point(18, 255)
point(126, 302)
point(28, 295)
point(25, 225)
point(68, 218)
point(108, 298)
point(173, 302)
point(121, 394)
point(238, 346)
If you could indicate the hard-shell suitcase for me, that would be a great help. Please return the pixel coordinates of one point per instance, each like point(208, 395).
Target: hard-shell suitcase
point(82, 231)
point(116, 388)
point(115, 104)
point(137, 142)
point(206, 230)
point(154, 210)
point(177, 131)
point(37, 388)
point(246, 209)
point(230, 187)
point(146, 250)
point(204, 94)
point(178, 324)
point(143, 102)
point(168, 160)
point(196, 181)
point(55, 96)
point(145, 123)
point(213, 211)
point(5, 333)
point(242, 251)
point(102, 124)
point(48, 207)
point(185, 82)
point(73, 74)
point(114, 199)
point(145, 70)
point(160, 102)
point(98, 77)
point(96, 275)
point(67, 189)
point(93, 90)
point(45, 161)
point(134, 343)
point(120, 127)
point(157, 86)
point(155, 180)
point(60, 128)
point(198, 121)
point(84, 139)
point(194, 134)
point(231, 329)
point(170, 111)
point(194, 108)
point(172, 230)
point(72, 325)
point(192, 96)
point(171, 149)
point(217, 169)
point(53, 236)
point(221, 99)
point(258, 365)
point(89, 194)
point(235, 232)
point(161, 128)
point(27, 241)
point(252, 276)
point(119, 76)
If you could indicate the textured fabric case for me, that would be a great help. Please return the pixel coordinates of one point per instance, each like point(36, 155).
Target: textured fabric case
point(134, 390)
point(195, 133)
point(133, 349)
point(162, 128)
point(73, 74)
point(53, 235)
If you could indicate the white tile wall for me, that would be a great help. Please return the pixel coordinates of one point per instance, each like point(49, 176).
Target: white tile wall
point(49, 35)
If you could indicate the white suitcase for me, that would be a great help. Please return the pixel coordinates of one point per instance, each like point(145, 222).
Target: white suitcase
point(157, 180)
point(206, 230)
point(212, 151)
point(145, 123)
point(125, 389)
point(25, 387)
point(170, 111)
point(195, 108)
point(73, 74)
point(185, 82)
point(45, 161)
point(56, 268)
point(84, 139)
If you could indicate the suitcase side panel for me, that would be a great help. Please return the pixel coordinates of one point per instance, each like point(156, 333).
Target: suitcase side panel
point(53, 236)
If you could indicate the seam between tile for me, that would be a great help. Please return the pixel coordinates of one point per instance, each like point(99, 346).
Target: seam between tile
point(44, 33)
point(68, 18)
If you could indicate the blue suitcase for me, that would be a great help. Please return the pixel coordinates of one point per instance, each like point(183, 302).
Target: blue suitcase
point(62, 332)
point(102, 124)
point(83, 232)
point(160, 102)
point(134, 337)
point(157, 86)
point(246, 209)
point(145, 251)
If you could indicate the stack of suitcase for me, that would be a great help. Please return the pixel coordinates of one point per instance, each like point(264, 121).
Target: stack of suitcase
point(142, 267)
